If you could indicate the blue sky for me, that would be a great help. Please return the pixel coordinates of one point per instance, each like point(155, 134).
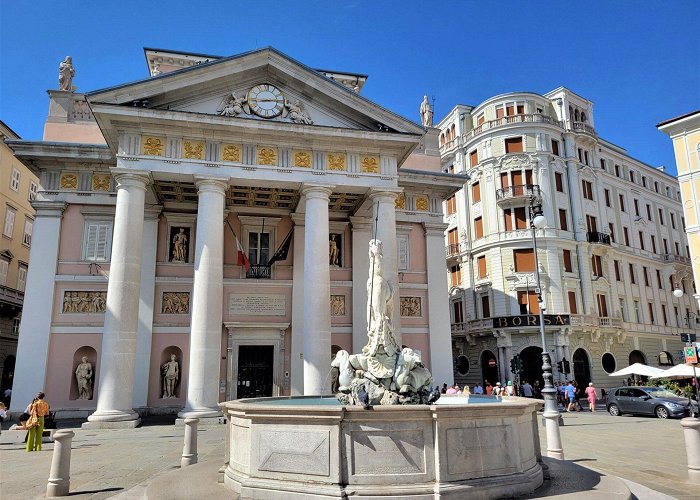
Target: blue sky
point(639, 62)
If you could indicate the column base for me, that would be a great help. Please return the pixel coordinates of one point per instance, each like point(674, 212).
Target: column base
point(112, 419)
point(200, 413)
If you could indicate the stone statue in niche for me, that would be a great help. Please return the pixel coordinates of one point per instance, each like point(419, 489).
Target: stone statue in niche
point(180, 239)
point(334, 250)
point(426, 112)
point(66, 72)
point(232, 105)
point(171, 375)
point(83, 375)
point(296, 113)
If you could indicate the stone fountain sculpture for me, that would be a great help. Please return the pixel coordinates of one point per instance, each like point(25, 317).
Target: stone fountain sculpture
point(384, 373)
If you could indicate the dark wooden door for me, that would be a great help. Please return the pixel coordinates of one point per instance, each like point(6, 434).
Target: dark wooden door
point(255, 371)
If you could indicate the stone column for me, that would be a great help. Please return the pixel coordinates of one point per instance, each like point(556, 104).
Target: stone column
point(297, 355)
point(317, 291)
point(207, 302)
point(144, 330)
point(384, 206)
point(691, 433)
point(189, 448)
point(59, 477)
point(117, 360)
point(361, 234)
point(438, 307)
point(35, 327)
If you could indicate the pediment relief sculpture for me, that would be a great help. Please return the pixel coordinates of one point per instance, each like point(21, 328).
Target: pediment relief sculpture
point(517, 161)
point(264, 101)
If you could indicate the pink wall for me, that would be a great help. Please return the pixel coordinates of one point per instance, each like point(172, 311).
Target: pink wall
point(162, 344)
point(83, 133)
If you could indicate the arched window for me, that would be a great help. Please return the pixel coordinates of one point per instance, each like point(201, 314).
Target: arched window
point(442, 139)
point(452, 131)
point(637, 357)
point(577, 116)
point(665, 359)
point(583, 117)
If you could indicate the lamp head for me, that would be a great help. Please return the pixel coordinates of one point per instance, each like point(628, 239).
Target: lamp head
point(539, 221)
point(678, 293)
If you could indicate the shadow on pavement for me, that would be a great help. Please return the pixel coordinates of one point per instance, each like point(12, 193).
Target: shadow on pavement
point(568, 477)
point(92, 492)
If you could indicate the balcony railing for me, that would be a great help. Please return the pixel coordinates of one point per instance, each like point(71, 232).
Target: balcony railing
point(596, 237)
point(259, 271)
point(11, 296)
point(679, 259)
point(520, 191)
point(452, 249)
point(608, 322)
point(583, 127)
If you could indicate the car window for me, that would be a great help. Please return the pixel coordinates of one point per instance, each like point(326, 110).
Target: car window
point(637, 393)
point(623, 392)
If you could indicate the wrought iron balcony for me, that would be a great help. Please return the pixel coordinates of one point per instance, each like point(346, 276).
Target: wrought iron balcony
point(596, 237)
point(516, 192)
point(259, 271)
point(452, 250)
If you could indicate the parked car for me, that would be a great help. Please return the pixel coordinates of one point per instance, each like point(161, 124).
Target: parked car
point(657, 401)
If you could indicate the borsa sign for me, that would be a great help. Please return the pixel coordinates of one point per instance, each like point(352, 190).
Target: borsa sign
point(531, 320)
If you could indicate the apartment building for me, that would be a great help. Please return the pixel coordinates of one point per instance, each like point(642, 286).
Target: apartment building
point(18, 187)
point(610, 257)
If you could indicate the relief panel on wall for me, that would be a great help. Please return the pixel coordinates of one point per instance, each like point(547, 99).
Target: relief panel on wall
point(84, 302)
point(411, 307)
point(337, 305)
point(176, 303)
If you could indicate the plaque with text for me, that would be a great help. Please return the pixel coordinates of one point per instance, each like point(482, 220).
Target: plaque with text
point(259, 304)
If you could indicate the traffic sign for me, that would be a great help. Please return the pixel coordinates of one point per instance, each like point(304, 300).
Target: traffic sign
point(492, 363)
point(691, 355)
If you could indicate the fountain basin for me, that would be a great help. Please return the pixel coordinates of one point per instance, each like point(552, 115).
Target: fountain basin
point(303, 447)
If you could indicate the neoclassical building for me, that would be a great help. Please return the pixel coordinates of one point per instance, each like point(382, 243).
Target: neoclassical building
point(218, 214)
point(612, 253)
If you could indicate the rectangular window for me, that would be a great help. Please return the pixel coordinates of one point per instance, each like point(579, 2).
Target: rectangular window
point(580, 155)
point(611, 229)
point(656, 186)
point(633, 277)
point(27, 238)
point(258, 248)
point(649, 212)
point(602, 305)
point(632, 176)
point(528, 302)
point(4, 266)
point(451, 204)
point(644, 181)
point(641, 240)
point(481, 266)
point(637, 312)
point(514, 145)
point(568, 267)
point(646, 275)
point(617, 170)
point(602, 164)
point(623, 310)
point(505, 180)
point(478, 228)
point(562, 220)
point(453, 238)
point(587, 189)
point(622, 202)
point(455, 276)
point(585, 157)
point(520, 218)
point(480, 119)
point(573, 308)
point(507, 219)
point(658, 279)
point(14, 179)
point(607, 198)
point(97, 240)
point(500, 111)
point(663, 314)
point(673, 220)
point(651, 313)
point(524, 260)
point(597, 266)
point(10, 214)
point(559, 181)
point(678, 248)
point(473, 158)
point(21, 277)
point(653, 243)
point(626, 235)
point(555, 147)
point(591, 224)
point(485, 307)
point(661, 216)
point(618, 275)
point(510, 110)
point(33, 190)
point(458, 314)
point(665, 245)
point(476, 192)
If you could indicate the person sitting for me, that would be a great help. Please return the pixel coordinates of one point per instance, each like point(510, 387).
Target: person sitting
point(466, 390)
point(452, 390)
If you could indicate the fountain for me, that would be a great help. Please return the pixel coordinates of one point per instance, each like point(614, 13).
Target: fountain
point(385, 434)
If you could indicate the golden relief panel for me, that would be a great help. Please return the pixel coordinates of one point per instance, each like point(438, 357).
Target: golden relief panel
point(69, 181)
point(369, 164)
point(100, 182)
point(231, 152)
point(84, 302)
point(422, 203)
point(401, 202)
point(336, 161)
point(411, 307)
point(152, 146)
point(301, 159)
point(337, 305)
point(267, 156)
point(193, 150)
point(175, 303)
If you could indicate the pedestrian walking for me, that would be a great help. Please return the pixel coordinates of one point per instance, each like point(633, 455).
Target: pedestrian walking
point(527, 389)
point(37, 411)
point(591, 395)
point(510, 390)
point(571, 396)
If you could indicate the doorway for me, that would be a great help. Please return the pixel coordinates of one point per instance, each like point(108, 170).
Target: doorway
point(582, 369)
point(255, 371)
point(532, 365)
point(489, 368)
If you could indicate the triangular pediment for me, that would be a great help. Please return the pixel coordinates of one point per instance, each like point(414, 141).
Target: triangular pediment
point(263, 85)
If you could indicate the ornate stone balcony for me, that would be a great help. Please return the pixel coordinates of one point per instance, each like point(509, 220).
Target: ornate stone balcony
point(452, 250)
point(516, 193)
point(11, 296)
point(583, 128)
point(676, 259)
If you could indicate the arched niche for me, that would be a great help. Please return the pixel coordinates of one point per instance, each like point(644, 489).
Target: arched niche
point(91, 354)
point(164, 367)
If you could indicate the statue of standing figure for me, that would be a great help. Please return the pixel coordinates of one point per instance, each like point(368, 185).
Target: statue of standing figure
point(426, 112)
point(66, 72)
point(180, 246)
point(171, 374)
point(83, 375)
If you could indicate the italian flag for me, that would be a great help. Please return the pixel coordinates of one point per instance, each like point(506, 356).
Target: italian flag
point(242, 259)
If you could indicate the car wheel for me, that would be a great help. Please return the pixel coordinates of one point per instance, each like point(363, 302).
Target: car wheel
point(614, 410)
point(661, 412)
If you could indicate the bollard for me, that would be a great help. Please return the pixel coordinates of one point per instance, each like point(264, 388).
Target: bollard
point(59, 477)
point(189, 450)
point(691, 432)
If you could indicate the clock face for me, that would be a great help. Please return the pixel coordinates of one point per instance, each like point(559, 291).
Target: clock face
point(266, 101)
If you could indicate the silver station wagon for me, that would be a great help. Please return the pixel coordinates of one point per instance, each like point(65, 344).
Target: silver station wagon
point(648, 401)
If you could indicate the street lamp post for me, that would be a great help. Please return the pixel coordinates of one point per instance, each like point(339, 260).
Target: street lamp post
point(678, 293)
point(551, 412)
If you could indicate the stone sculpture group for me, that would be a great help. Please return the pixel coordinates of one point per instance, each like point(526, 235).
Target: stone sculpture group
point(383, 374)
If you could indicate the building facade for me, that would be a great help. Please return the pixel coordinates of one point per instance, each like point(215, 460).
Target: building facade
point(685, 133)
point(18, 188)
point(612, 253)
point(217, 215)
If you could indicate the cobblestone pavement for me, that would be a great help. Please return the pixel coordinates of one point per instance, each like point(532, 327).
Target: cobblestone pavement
point(118, 463)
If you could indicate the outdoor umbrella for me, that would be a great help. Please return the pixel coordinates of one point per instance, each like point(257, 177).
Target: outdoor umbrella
point(637, 369)
point(678, 372)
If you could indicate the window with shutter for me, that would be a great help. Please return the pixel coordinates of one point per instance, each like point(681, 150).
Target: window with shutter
point(572, 303)
point(10, 214)
point(478, 228)
point(568, 267)
point(507, 219)
point(476, 192)
point(14, 180)
point(473, 158)
point(33, 189)
point(4, 265)
point(97, 240)
point(21, 277)
point(485, 307)
point(520, 218)
point(481, 264)
point(524, 260)
point(514, 145)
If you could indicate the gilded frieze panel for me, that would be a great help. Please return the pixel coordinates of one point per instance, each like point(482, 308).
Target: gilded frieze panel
point(301, 159)
point(152, 146)
point(193, 150)
point(231, 152)
point(69, 181)
point(100, 182)
point(422, 203)
point(337, 305)
point(267, 155)
point(336, 161)
point(369, 164)
point(401, 202)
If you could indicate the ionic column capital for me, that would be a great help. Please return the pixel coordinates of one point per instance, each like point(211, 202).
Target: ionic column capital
point(211, 184)
point(316, 191)
point(131, 178)
point(385, 195)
